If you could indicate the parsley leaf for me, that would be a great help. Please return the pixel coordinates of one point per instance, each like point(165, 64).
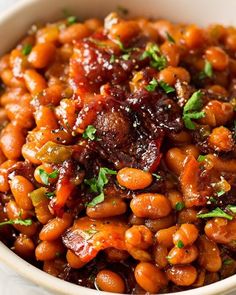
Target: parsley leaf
point(25, 222)
point(191, 110)
point(180, 244)
point(112, 59)
point(220, 193)
point(170, 38)
point(228, 261)
point(97, 184)
point(152, 51)
point(179, 206)
point(166, 87)
point(71, 20)
point(26, 49)
point(201, 158)
point(46, 176)
point(158, 177)
point(217, 212)
point(90, 132)
point(50, 194)
point(97, 200)
point(207, 71)
point(125, 56)
point(122, 47)
point(232, 208)
point(152, 85)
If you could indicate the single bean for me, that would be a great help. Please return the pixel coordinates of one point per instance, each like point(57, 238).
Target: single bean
point(111, 206)
point(21, 187)
point(55, 227)
point(209, 254)
point(110, 281)
point(149, 277)
point(150, 205)
point(133, 178)
point(48, 250)
point(182, 275)
point(187, 234)
point(183, 255)
point(165, 236)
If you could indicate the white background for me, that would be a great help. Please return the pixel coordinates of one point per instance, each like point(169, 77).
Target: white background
point(10, 282)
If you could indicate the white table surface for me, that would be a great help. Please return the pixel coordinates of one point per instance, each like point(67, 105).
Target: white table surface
point(10, 282)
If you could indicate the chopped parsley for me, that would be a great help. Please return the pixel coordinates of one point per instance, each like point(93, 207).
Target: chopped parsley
point(228, 261)
point(232, 208)
point(71, 20)
point(180, 244)
point(158, 177)
point(201, 158)
point(125, 56)
point(18, 221)
point(46, 176)
point(50, 194)
point(26, 49)
point(217, 212)
point(192, 110)
point(179, 206)
point(97, 184)
point(166, 87)
point(90, 132)
point(170, 38)
point(220, 193)
point(112, 59)
point(207, 71)
point(152, 85)
point(212, 200)
point(157, 60)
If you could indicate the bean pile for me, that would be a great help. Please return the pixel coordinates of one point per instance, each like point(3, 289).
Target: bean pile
point(117, 152)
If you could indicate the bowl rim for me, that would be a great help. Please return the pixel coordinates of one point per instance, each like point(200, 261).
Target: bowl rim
point(49, 282)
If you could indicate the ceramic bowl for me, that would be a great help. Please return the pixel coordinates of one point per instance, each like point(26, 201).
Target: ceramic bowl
point(14, 24)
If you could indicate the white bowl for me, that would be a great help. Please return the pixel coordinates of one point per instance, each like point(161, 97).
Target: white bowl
point(14, 24)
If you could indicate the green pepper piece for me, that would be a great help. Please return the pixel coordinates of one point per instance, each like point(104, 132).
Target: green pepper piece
point(54, 153)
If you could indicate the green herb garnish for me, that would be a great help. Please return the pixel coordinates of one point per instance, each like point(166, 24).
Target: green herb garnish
point(232, 208)
point(112, 59)
point(18, 221)
point(152, 51)
point(212, 200)
point(192, 110)
point(26, 49)
point(46, 176)
point(180, 244)
point(50, 194)
point(179, 206)
point(97, 184)
point(158, 177)
point(220, 193)
point(217, 212)
point(170, 38)
point(166, 87)
point(125, 56)
point(207, 71)
point(201, 158)
point(152, 85)
point(71, 20)
point(90, 132)
point(228, 261)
